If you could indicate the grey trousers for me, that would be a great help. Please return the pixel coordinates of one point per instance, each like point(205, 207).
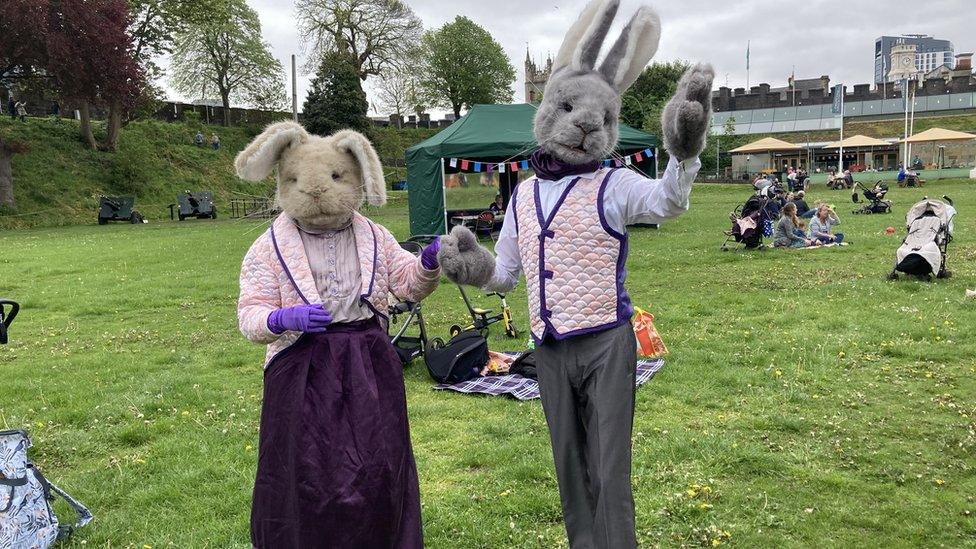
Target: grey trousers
point(587, 385)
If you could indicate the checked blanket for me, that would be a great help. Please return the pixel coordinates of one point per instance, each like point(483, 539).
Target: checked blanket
point(523, 388)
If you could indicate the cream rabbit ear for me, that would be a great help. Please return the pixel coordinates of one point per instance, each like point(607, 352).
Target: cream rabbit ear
point(258, 159)
point(636, 46)
point(583, 41)
point(362, 150)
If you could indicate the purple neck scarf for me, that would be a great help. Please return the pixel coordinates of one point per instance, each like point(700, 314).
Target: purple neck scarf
point(550, 168)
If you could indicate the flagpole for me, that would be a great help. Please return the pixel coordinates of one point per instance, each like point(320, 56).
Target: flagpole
point(841, 162)
point(911, 124)
point(904, 96)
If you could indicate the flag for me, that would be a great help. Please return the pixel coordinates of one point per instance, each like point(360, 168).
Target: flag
point(501, 168)
point(627, 160)
point(514, 166)
point(606, 163)
point(649, 153)
point(747, 54)
point(477, 166)
point(525, 164)
point(638, 157)
point(792, 79)
point(464, 164)
point(453, 162)
point(617, 162)
point(838, 105)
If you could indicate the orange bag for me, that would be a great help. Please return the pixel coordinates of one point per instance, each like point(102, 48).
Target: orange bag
point(649, 342)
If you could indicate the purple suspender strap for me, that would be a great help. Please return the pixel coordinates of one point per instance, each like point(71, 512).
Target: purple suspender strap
point(274, 242)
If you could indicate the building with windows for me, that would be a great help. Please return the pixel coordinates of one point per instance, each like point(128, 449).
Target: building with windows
point(536, 78)
point(930, 53)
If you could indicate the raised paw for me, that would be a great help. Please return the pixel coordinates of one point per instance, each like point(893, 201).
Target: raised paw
point(463, 260)
point(687, 115)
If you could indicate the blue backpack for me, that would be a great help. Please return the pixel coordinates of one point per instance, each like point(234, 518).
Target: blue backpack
point(26, 517)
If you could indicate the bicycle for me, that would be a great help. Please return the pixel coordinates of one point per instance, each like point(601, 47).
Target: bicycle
point(481, 319)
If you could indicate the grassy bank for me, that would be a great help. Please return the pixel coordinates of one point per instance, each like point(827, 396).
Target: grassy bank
point(806, 402)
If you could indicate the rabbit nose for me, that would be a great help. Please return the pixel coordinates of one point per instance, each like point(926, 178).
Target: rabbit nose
point(586, 127)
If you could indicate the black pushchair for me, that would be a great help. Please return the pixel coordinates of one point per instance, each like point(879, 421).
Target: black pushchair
point(876, 196)
point(752, 220)
point(7, 317)
point(403, 314)
point(923, 252)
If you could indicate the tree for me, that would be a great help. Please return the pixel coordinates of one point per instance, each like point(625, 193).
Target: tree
point(336, 100)
point(7, 150)
point(653, 87)
point(398, 89)
point(376, 33)
point(91, 60)
point(465, 66)
point(221, 52)
point(730, 126)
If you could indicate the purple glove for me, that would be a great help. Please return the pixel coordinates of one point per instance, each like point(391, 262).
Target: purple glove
point(428, 257)
point(311, 319)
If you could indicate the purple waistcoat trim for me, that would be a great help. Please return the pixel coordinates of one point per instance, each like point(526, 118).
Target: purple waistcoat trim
point(274, 242)
point(624, 307)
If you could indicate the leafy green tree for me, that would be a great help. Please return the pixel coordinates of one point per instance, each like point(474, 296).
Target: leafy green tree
point(730, 126)
point(465, 66)
point(220, 52)
point(336, 100)
point(651, 90)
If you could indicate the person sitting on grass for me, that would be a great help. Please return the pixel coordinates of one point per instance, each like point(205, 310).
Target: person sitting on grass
point(822, 224)
point(802, 209)
point(785, 235)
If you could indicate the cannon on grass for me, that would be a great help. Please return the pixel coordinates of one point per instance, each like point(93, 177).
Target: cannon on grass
point(117, 208)
point(199, 205)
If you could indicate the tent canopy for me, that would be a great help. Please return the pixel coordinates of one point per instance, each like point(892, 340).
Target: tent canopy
point(491, 133)
point(766, 144)
point(857, 141)
point(939, 134)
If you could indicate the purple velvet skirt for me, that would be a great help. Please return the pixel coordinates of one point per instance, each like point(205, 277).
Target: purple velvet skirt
point(335, 464)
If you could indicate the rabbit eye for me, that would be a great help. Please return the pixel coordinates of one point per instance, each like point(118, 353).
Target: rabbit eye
point(567, 107)
point(336, 176)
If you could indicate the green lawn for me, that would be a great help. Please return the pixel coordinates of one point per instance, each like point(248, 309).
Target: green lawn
point(807, 401)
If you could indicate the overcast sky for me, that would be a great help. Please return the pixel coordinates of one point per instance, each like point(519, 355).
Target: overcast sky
point(833, 37)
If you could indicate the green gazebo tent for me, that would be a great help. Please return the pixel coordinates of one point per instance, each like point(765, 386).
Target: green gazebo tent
point(487, 133)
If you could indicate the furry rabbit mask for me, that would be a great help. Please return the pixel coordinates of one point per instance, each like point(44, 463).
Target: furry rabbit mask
point(321, 180)
point(577, 121)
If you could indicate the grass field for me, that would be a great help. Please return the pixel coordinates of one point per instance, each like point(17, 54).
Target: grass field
point(807, 401)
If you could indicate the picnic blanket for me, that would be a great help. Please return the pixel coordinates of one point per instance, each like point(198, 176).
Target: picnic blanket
point(523, 388)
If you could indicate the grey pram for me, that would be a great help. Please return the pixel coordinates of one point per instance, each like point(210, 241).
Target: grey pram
point(923, 252)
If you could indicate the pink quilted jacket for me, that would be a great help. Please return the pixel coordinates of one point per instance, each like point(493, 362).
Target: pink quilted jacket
point(276, 274)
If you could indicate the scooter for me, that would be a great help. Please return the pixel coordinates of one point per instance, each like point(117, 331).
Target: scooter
point(7, 317)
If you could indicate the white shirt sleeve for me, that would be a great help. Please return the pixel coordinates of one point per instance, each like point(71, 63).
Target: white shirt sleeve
point(632, 198)
point(508, 262)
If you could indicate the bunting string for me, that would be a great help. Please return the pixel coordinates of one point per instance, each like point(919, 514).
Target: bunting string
point(476, 166)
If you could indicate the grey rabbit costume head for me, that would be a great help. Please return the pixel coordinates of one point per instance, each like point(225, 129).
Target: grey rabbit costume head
point(578, 119)
point(321, 180)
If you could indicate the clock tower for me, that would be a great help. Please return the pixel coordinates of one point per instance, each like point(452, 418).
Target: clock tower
point(902, 62)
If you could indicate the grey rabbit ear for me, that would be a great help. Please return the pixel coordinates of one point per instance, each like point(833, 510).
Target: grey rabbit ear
point(584, 39)
point(636, 46)
point(258, 159)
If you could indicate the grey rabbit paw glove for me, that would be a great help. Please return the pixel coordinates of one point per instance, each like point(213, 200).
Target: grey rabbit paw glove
point(463, 260)
point(688, 114)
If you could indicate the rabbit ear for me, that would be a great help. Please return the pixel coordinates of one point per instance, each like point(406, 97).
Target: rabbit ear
point(636, 46)
point(362, 150)
point(583, 41)
point(257, 160)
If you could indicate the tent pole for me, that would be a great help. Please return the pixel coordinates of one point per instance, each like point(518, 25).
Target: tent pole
point(444, 194)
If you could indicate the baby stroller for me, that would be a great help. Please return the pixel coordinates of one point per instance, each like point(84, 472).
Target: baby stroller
point(877, 204)
point(753, 220)
point(923, 252)
point(408, 347)
point(7, 317)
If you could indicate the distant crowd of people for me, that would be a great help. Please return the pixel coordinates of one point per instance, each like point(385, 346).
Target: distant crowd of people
point(214, 140)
